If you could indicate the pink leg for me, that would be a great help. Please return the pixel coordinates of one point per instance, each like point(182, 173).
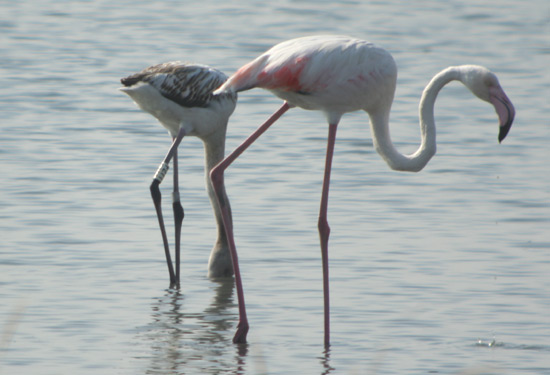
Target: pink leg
point(324, 229)
point(217, 175)
point(155, 194)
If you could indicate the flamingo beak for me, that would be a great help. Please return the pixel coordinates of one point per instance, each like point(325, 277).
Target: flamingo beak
point(504, 108)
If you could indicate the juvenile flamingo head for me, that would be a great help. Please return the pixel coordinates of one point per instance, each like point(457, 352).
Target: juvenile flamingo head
point(484, 84)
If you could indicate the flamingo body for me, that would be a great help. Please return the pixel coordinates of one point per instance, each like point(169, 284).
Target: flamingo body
point(339, 74)
point(180, 96)
point(336, 75)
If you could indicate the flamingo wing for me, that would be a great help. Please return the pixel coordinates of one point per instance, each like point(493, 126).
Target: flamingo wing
point(314, 64)
point(189, 85)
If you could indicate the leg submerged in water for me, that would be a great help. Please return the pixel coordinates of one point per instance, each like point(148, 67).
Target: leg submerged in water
point(217, 178)
point(157, 199)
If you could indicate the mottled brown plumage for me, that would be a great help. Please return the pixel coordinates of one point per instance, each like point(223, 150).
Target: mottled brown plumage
point(189, 85)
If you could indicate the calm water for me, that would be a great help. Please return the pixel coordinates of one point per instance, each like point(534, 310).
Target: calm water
point(441, 272)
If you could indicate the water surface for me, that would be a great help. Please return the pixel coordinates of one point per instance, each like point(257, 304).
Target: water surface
point(442, 272)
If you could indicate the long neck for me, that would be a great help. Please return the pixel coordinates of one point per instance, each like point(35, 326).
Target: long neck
point(381, 133)
point(214, 148)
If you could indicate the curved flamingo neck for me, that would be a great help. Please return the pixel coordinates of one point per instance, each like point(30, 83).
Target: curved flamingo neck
point(381, 133)
point(219, 262)
point(214, 149)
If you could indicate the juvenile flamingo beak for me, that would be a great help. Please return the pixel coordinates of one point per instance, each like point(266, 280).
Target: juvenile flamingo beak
point(504, 108)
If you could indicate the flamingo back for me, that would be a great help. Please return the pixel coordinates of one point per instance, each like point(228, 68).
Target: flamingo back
point(180, 94)
point(330, 73)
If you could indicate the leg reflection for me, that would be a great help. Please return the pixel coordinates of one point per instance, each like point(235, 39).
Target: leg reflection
point(181, 341)
point(325, 361)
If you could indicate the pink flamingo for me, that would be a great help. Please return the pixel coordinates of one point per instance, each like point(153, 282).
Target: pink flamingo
point(180, 96)
point(336, 75)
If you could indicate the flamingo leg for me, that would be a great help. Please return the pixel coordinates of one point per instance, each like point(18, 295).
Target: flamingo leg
point(324, 229)
point(155, 194)
point(178, 214)
point(217, 178)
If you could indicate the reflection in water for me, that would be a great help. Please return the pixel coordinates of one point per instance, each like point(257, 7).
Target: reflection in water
point(325, 361)
point(181, 341)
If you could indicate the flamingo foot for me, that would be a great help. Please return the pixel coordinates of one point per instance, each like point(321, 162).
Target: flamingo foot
point(240, 335)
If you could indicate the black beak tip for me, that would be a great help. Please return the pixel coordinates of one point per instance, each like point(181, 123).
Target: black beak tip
point(504, 131)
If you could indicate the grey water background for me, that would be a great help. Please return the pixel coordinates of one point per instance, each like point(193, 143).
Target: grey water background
point(442, 272)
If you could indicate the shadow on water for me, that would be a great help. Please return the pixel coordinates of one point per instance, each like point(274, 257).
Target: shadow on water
point(183, 341)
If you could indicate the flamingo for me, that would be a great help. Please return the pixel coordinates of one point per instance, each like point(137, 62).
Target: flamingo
point(336, 75)
point(180, 96)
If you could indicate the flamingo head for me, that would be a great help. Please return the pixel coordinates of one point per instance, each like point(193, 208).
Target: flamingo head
point(484, 84)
